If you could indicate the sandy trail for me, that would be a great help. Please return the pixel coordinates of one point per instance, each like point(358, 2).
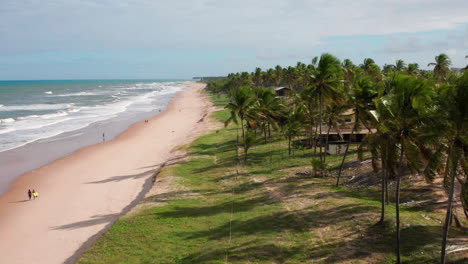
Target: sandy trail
point(84, 193)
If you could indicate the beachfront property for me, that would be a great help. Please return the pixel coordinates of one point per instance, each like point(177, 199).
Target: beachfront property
point(283, 92)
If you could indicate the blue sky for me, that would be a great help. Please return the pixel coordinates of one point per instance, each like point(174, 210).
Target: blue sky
point(93, 39)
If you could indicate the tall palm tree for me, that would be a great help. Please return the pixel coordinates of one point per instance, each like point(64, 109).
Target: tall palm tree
point(278, 75)
point(334, 117)
point(382, 146)
point(400, 112)
point(257, 77)
point(308, 99)
point(325, 82)
point(400, 65)
point(361, 99)
point(413, 69)
point(266, 109)
point(388, 68)
point(453, 117)
point(371, 69)
point(367, 65)
point(441, 66)
point(294, 120)
point(240, 102)
point(349, 70)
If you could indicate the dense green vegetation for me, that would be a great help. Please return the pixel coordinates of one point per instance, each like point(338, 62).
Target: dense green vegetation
point(262, 211)
point(416, 120)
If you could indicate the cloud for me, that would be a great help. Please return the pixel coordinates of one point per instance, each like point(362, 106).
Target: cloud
point(398, 45)
point(449, 42)
point(262, 33)
point(451, 52)
point(144, 24)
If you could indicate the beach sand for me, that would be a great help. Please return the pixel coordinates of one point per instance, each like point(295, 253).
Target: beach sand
point(82, 194)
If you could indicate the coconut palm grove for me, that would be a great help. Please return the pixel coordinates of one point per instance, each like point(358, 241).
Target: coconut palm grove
point(416, 122)
point(328, 162)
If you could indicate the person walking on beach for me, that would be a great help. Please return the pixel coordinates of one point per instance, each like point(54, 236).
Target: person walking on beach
point(103, 137)
point(35, 194)
point(29, 194)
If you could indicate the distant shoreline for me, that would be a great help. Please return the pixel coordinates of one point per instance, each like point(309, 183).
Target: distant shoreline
point(31, 155)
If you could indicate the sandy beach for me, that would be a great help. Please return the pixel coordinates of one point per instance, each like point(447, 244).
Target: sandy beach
point(82, 194)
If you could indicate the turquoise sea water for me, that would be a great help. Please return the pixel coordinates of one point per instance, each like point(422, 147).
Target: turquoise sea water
point(33, 110)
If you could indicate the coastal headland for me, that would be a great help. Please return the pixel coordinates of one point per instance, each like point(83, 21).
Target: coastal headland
point(83, 194)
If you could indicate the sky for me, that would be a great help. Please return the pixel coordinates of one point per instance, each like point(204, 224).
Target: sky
point(144, 39)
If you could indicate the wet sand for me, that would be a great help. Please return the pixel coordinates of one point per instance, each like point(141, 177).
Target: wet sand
point(82, 194)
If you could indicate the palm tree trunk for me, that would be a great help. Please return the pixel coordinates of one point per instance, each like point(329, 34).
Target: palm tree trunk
point(448, 217)
point(245, 141)
point(326, 142)
point(289, 145)
point(386, 189)
point(265, 133)
point(397, 203)
point(344, 156)
point(320, 124)
point(382, 212)
point(315, 139)
point(311, 137)
point(242, 126)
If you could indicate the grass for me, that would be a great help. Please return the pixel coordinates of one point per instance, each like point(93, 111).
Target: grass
point(262, 212)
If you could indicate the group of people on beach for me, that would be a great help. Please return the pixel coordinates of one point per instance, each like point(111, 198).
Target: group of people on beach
point(32, 194)
point(146, 121)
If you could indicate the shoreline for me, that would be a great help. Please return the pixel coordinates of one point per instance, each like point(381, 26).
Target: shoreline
point(82, 194)
point(22, 159)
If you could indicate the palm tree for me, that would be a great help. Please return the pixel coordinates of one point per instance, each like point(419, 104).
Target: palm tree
point(349, 70)
point(382, 146)
point(308, 99)
point(400, 111)
point(248, 142)
point(241, 101)
point(453, 114)
point(441, 66)
point(413, 69)
point(257, 77)
point(266, 109)
point(400, 65)
point(371, 69)
point(388, 68)
point(278, 75)
point(269, 79)
point(334, 117)
point(294, 120)
point(325, 82)
point(362, 94)
point(367, 65)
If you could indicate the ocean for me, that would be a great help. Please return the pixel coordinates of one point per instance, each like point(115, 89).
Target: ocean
point(33, 110)
point(41, 121)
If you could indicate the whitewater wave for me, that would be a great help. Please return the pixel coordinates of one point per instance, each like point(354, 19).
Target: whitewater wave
point(34, 107)
point(48, 92)
point(76, 94)
point(66, 117)
point(7, 120)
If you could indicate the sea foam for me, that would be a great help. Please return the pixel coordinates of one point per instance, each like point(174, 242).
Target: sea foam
point(72, 115)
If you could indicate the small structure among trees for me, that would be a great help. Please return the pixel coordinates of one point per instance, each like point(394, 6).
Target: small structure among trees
point(283, 91)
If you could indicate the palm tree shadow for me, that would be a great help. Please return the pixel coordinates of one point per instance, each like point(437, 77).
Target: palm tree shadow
point(95, 220)
point(124, 177)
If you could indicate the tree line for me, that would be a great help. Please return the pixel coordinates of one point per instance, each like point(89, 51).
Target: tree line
point(416, 120)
